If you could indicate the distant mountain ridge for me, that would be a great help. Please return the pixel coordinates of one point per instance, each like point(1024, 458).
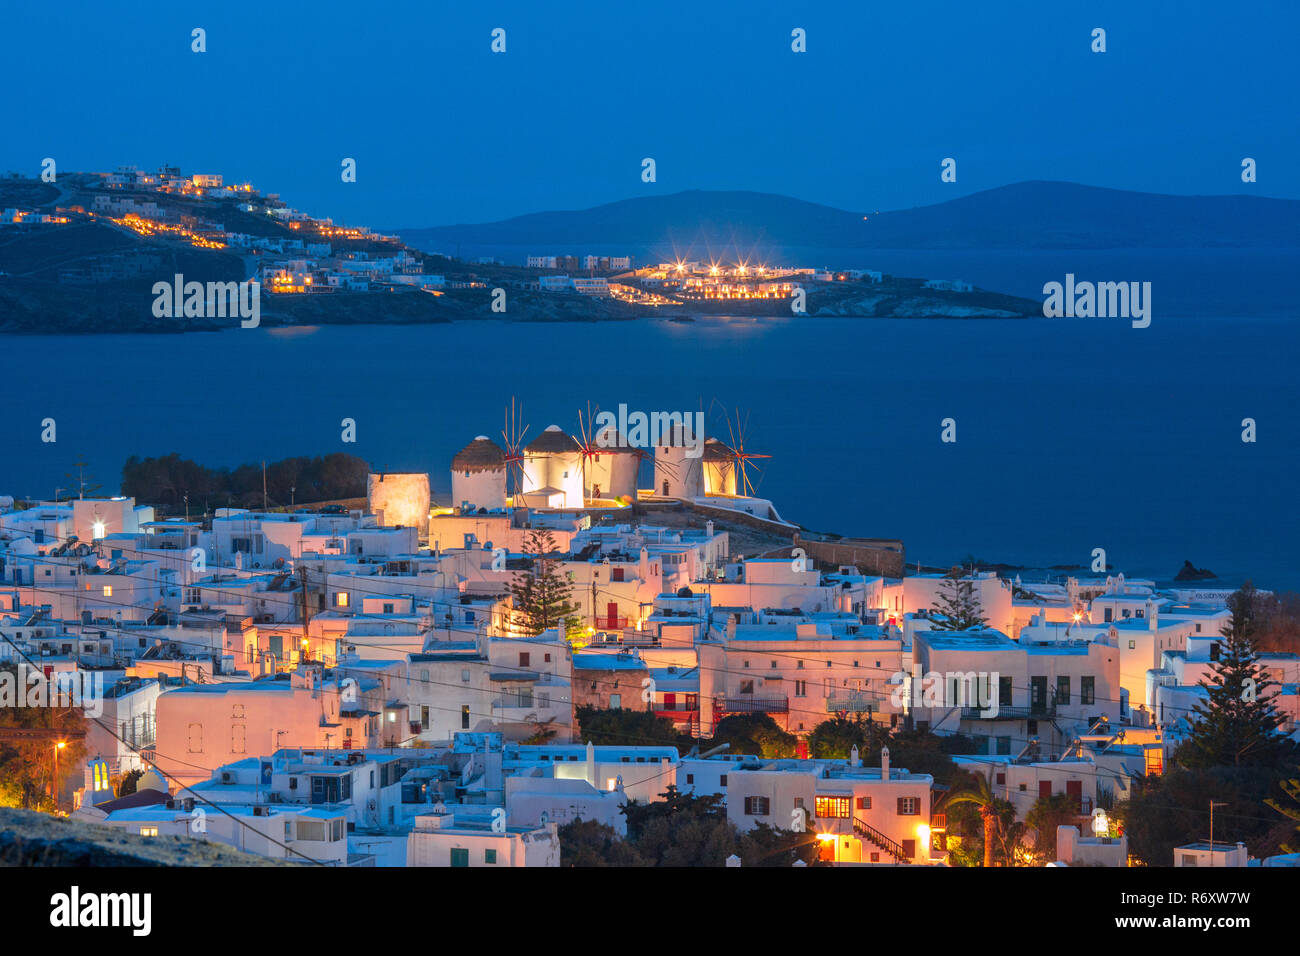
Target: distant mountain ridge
point(1029, 215)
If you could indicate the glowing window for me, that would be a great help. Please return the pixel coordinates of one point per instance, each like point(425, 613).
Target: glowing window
point(831, 807)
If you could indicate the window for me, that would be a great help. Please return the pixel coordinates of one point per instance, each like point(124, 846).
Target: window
point(459, 856)
point(722, 780)
point(747, 687)
point(615, 701)
point(148, 831)
point(801, 688)
point(464, 676)
point(909, 806)
point(618, 574)
point(108, 590)
point(1004, 690)
point(523, 659)
point(1189, 859)
point(1087, 690)
point(1132, 645)
point(388, 608)
point(464, 717)
point(864, 803)
point(341, 599)
point(757, 806)
point(690, 778)
point(831, 807)
point(1110, 614)
point(1062, 690)
point(1000, 779)
point(489, 856)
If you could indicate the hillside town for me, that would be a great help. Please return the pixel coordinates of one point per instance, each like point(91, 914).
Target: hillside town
point(520, 674)
point(119, 231)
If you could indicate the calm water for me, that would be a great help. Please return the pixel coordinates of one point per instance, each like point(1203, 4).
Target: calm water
point(1072, 434)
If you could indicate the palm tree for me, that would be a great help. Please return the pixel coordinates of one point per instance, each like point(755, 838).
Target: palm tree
point(980, 795)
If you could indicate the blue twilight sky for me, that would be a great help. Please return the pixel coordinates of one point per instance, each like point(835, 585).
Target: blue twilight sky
point(445, 131)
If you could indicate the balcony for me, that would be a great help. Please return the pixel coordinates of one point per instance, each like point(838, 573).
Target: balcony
point(1036, 712)
point(605, 623)
point(851, 704)
point(746, 704)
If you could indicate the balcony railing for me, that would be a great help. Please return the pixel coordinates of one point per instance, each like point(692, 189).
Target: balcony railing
point(606, 623)
point(851, 704)
point(1034, 712)
point(746, 704)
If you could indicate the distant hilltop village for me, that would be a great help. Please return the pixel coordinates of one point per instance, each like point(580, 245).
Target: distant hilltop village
point(88, 247)
point(388, 682)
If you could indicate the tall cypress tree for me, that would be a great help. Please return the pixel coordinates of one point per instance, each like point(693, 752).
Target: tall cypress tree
point(541, 595)
point(1236, 726)
point(957, 607)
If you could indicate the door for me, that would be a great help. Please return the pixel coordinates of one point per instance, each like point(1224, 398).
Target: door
point(1074, 789)
point(1037, 694)
point(611, 614)
point(1044, 788)
point(459, 856)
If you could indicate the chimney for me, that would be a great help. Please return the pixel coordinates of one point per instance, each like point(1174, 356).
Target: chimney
point(708, 527)
point(854, 759)
point(884, 763)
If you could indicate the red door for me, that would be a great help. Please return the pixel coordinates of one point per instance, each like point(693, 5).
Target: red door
point(611, 612)
point(670, 701)
point(1074, 788)
point(1044, 788)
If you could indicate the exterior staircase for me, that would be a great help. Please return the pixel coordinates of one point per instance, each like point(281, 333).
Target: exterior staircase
point(875, 837)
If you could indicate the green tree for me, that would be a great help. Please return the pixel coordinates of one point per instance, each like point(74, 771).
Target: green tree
point(588, 843)
point(979, 794)
point(1167, 811)
point(1237, 725)
point(836, 737)
point(682, 829)
point(957, 607)
point(625, 727)
point(1048, 813)
point(1289, 808)
point(27, 766)
point(542, 595)
point(754, 734)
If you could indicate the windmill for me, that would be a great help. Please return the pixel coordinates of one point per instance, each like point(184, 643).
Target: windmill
point(673, 466)
point(741, 459)
point(512, 436)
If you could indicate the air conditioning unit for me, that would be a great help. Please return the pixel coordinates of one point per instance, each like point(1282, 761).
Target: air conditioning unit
point(227, 776)
point(261, 811)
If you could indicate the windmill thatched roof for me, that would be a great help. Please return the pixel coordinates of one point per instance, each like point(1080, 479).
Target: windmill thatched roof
point(553, 441)
point(611, 441)
point(482, 454)
point(715, 450)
